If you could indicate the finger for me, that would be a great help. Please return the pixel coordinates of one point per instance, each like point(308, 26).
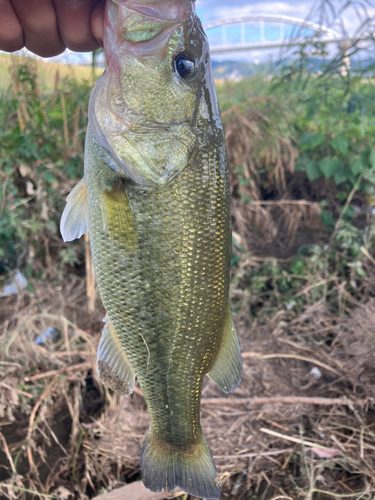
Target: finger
point(11, 34)
point(38, 19)
point(74, 24)
point(97, 22)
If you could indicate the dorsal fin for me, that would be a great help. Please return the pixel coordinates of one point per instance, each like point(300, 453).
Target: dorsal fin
point(74, 220)
point(113, 366)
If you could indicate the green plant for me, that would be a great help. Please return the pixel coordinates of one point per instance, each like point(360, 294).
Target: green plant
point(316, 272)
point(41, 158)
point(336, 134)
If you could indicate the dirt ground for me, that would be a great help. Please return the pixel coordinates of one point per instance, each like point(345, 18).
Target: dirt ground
point(301, 424)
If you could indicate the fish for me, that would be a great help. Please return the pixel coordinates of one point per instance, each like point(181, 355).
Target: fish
point(155, 200)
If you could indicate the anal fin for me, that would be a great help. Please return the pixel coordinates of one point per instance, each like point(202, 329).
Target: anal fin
point(113, 366)
point(227, 370)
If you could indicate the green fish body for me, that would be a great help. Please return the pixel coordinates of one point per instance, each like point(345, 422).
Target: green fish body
point(155, 201)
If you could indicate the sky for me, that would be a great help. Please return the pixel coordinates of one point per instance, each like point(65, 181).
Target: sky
point(209, 10)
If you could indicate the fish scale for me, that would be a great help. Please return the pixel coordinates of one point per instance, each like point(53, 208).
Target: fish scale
point(155, 200)
point(192, 317)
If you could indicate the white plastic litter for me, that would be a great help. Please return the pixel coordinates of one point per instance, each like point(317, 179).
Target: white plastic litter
point(18, 284)
point(316, 373)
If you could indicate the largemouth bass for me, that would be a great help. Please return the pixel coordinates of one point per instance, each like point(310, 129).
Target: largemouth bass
point(155, 201)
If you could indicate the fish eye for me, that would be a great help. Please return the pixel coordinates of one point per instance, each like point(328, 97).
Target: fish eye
point(185, 65)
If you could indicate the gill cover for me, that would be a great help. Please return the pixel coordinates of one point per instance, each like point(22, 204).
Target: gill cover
point(142, 110)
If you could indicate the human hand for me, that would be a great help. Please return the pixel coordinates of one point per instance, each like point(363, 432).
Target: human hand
point(47, 27)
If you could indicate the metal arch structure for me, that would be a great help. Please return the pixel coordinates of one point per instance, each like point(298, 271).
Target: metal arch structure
point(328, 34)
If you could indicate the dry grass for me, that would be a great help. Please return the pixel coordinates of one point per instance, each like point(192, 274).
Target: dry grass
point(271, 210)
point(308, 427)
point(47, 72)
point(47, 391)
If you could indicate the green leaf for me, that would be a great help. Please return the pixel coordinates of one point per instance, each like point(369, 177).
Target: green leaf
point(326, 218)
point(340, 143)
point(369, 189)
point(361, 272)
point(246, 199)
point(372, 158)
point(369, 175)
point(51, 226)
point(316, 140)
point(328, 166)
point(235, 260)
point(312, 170)
point(310, 140)
point(50, 178)
point(349, 214)
point(358, 166)
point(342, 195)
point(300, 163)
point(340, 175)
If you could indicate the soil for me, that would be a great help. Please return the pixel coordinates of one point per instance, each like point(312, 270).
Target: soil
point(83, 439)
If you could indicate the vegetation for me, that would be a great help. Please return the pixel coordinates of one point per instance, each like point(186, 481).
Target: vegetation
point(41, 158)
point(303, 167)
point(277, 132)
point(301, 152)
point(46, 72)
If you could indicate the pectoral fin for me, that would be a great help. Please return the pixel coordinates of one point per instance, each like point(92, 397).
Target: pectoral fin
point(113, 366)
point(227, 371)
point(118, 217)
point(74, 218)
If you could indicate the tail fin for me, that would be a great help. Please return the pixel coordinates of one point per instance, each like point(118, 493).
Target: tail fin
point(166, 467)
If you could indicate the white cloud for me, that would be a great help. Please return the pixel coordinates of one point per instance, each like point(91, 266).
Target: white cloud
point(282, 8)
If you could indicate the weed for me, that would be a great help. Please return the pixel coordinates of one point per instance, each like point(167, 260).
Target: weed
point(41, 157)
